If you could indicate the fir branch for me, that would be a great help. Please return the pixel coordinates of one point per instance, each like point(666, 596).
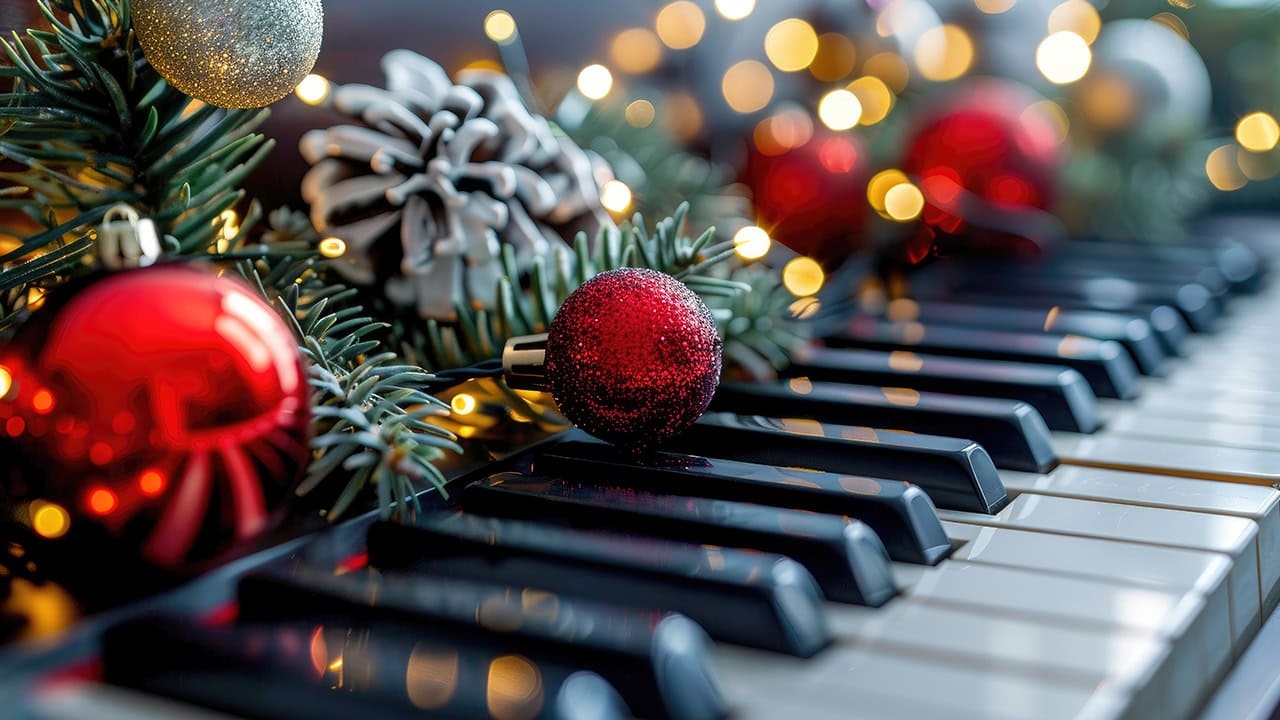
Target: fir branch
point(370, 408)
point(93, 124)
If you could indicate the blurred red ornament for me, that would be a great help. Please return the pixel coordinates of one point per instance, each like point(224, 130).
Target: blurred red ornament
point(810, 197)
point(633, 357)
point(990, 152)
point(167, 408)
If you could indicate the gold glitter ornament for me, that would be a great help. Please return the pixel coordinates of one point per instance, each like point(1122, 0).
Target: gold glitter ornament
point(231, 53)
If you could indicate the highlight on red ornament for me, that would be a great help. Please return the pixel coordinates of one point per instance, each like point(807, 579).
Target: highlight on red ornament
point(988, 152)
point(166, 408)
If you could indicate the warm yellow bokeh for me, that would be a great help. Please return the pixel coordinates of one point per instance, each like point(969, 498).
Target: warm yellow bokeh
point(791, 45)
point(681, 24)
point(747, 86)
point(836, 58)
point(636, 50)
point(803, 277)
point(1223, 169)
point(500, 27)
point(944, 53)
point(1063, 57)
point(876, 98)
point(751, 243)
point(1258, 132)
point(640, 113)
point(1077, 16)
point(595, 81)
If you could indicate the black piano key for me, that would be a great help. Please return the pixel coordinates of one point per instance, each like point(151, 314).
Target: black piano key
point(660, 666)
point(1147, 272)
point(756, 599)
point(956, 474)
point(1239, 264)
point(845, 557)
point(302, 672)
point(900, 513)
point(1134, 333)
point(1103, 363)
point(1011, 432)
point(1060, 394)
point(1193, 301)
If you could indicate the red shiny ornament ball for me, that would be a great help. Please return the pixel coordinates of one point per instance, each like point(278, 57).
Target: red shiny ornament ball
point(633, 358)
point(812, 198)
point(989, 152)
point(167, 408)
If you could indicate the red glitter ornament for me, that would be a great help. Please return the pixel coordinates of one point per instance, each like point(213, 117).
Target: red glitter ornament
point(633, 358)
point(167, 408)
point(812, 198)
point(990, 152)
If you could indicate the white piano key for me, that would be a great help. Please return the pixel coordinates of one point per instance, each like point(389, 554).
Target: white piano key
point(857, 683)
point(1260, 504)
point(1124, 563)
point(1169, 457)
point(1232, 536)
point(1224, 407)
point(1202, 430)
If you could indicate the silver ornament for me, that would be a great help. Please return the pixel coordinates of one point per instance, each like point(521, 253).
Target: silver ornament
point(231, 53)
point(438, 178)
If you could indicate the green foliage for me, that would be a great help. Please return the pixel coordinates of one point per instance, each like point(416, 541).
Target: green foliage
point(93, 124)
point(369, 406)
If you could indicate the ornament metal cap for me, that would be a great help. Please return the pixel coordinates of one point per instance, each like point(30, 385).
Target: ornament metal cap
point(524, 362)
point(127, 240)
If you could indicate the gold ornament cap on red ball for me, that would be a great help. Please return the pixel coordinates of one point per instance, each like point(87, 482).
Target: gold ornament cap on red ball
point(231, 53)
point(632, 357)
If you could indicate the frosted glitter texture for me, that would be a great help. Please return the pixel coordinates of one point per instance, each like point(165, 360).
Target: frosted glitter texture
point(231, 53)
point(633, 358)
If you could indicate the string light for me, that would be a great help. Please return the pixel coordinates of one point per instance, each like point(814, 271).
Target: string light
point(1258, 132)
point(680, 25)
point(595, 81)
point(751, 242)
point(333, 247)
point(747, 86)
point(500, 27)
point(803, 276)
point(463, 404)
point(1063, 57)
point(839, 110)
point(640, 113)
point(735, 9)
point(313, 90)
point(791, 45)
point(615, 196)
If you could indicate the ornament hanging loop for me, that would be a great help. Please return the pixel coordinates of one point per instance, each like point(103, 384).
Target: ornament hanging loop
point(127, 240)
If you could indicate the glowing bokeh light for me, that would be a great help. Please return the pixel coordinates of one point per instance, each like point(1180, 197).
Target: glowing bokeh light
point(1063, 57)
point(836, 58)
point(102, 501)
point(879, 187)
point(313, 89)
point(463, 404)
point(1223, 169)
point(785, 130)
point(680, 25)
point(1077, 16)
point(636, 50)
point(50, 520)
point(839, 110)
point(751, 242)
point(876, 98)
point(735, 9)
point(903, 202)
point(615, 196)
point(6, 381)
point(889, 67)
point(747, 86)
point(595, 81)
point(995, 7)
point(1049, 115)
point(1258, 132)
point(500, 27)
point(42, 401)
point(944, 53)
point(682, 115)
point(332, 247)
point(803, 276)
point(791, 45)
point(151, 482)
point(640, 113)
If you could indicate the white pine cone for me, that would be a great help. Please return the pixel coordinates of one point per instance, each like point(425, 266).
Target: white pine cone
point(455, 171)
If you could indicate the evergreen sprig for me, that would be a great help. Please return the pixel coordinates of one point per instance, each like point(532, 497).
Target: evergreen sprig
point(92, 124)
point(369, 406)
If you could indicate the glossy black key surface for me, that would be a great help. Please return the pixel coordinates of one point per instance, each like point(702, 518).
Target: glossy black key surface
point(845, 556)
point(298, 671)
point(757, 599)
point(1011, 432)
point(660, 666)
point(1060, 394)
point(900, 513)
point(1131, 331)
point(956, 474)
point(1240, 265)
point(1103, 363)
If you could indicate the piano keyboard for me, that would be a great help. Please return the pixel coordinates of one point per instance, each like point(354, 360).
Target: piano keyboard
point(1047, 498)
